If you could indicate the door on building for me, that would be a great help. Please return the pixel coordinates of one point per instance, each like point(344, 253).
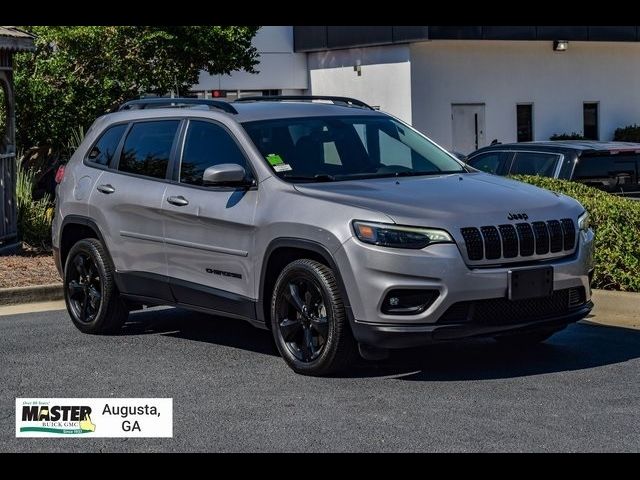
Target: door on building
point(468, 127)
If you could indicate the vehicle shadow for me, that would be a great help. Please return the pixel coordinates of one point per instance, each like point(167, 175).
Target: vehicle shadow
point(201, 327)
point(580, 346)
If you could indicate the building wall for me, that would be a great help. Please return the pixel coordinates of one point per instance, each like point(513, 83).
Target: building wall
point(280, 68)
point(501, 74)
point(384, 81)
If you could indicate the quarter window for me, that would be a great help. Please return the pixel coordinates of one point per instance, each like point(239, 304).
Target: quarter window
point(103, 151)
point(206, 145)
point(147, 148)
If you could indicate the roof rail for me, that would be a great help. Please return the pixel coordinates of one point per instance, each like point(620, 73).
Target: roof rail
point(351, 102)
point(166, 102)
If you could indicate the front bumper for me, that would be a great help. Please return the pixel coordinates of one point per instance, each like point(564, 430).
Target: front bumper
point(370, 272)
point(406, 336)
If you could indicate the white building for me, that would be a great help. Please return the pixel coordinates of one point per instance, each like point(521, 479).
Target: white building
point(281, 70)
point(462, 86)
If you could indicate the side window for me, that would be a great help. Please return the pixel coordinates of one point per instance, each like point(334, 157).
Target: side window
point(103, 151)
point(206, 145)
point(487, 162)
point(147, 148)
point(533, 163)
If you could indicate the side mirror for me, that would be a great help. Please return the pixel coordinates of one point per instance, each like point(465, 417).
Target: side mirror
point(224, 174)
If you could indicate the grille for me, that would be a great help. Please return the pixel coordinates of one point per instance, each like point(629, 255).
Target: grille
point(506, 241)
point(492, 247)
point(555, 235)
point(568, 233)
point(473, 240)
point(502, 311)
point(542, 237)
point(509, 241)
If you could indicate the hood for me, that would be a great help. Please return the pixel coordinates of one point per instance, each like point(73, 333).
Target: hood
point(448, 201)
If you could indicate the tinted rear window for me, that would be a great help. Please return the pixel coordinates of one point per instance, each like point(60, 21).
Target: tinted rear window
point(147, 148)
point(103, 151)
point(605, 166)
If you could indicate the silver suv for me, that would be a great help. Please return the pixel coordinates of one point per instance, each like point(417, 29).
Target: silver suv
point(339, 228)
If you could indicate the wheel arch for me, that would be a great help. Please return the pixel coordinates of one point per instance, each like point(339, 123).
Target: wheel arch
point(282, 251)
point(75, 228)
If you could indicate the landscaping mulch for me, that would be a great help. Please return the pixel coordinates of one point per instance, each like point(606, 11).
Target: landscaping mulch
point(27, 267)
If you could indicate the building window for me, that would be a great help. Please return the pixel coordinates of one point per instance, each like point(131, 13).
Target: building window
point(524, 121)
point(590, 115)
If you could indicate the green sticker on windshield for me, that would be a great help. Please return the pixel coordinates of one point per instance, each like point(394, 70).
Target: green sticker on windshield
point(274, 159)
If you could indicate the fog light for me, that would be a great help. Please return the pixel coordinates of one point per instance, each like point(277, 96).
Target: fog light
point(408, 302)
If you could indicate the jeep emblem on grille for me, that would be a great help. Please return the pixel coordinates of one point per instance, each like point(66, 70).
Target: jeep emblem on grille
point(517, 216)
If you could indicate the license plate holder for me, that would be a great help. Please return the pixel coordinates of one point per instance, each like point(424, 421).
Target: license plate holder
point(530, 283)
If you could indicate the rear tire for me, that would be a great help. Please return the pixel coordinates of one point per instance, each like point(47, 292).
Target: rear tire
point(308, 320)
point(92, 299)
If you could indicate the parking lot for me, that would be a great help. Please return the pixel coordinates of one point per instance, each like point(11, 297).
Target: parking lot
point(577, 392)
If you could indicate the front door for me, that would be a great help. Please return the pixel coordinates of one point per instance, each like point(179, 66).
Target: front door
point(209, 231)
point(468, 127)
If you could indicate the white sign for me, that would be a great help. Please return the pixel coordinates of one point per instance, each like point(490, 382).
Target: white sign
point(94, 417)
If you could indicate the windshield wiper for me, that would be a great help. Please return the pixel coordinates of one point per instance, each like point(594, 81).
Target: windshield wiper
point(320, 177)
point(418, 174)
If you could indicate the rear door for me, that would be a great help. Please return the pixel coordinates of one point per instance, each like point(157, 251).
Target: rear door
point(209, 231)
point(127, 204)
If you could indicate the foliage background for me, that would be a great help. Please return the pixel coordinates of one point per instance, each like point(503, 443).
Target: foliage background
point(78, 73)
point(616, 223)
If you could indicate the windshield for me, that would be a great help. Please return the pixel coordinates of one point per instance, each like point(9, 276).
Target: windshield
point(346, 147)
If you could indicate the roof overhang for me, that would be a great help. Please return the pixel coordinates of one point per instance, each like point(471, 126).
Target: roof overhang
point(16, 40)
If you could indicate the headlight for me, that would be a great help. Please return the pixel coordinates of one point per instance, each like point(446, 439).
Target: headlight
point(389, 235)
point(584, 223)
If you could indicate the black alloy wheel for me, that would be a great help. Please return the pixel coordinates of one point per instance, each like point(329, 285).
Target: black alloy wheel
point(90, 292)
point(302, 319)
point(84, 288)
point(308, 319)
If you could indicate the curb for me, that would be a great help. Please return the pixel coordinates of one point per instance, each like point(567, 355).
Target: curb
point(613, 308)
point(38, 293)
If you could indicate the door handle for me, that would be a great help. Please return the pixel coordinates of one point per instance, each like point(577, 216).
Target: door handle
point(178, 201)
point(106, 188)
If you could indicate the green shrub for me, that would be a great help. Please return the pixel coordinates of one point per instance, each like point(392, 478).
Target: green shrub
point(616, 223)
point(34, 216)
point(567, 136)
point(630, 133)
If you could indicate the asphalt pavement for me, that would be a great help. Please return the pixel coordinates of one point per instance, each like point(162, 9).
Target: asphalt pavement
point(579, 391)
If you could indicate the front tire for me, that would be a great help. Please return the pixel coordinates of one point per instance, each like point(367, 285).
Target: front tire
point(92, 299)
point(308, 320)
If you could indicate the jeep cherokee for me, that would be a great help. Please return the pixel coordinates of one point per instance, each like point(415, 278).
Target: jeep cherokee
point(339, 228)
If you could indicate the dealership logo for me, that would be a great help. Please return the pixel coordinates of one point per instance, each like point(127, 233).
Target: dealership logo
point(57, 419)
point(517, 216)
point(94, 417)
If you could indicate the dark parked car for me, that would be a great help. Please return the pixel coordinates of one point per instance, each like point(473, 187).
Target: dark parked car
point(610, 166)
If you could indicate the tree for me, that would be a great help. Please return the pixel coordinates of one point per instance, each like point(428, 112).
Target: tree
point(80, 72)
